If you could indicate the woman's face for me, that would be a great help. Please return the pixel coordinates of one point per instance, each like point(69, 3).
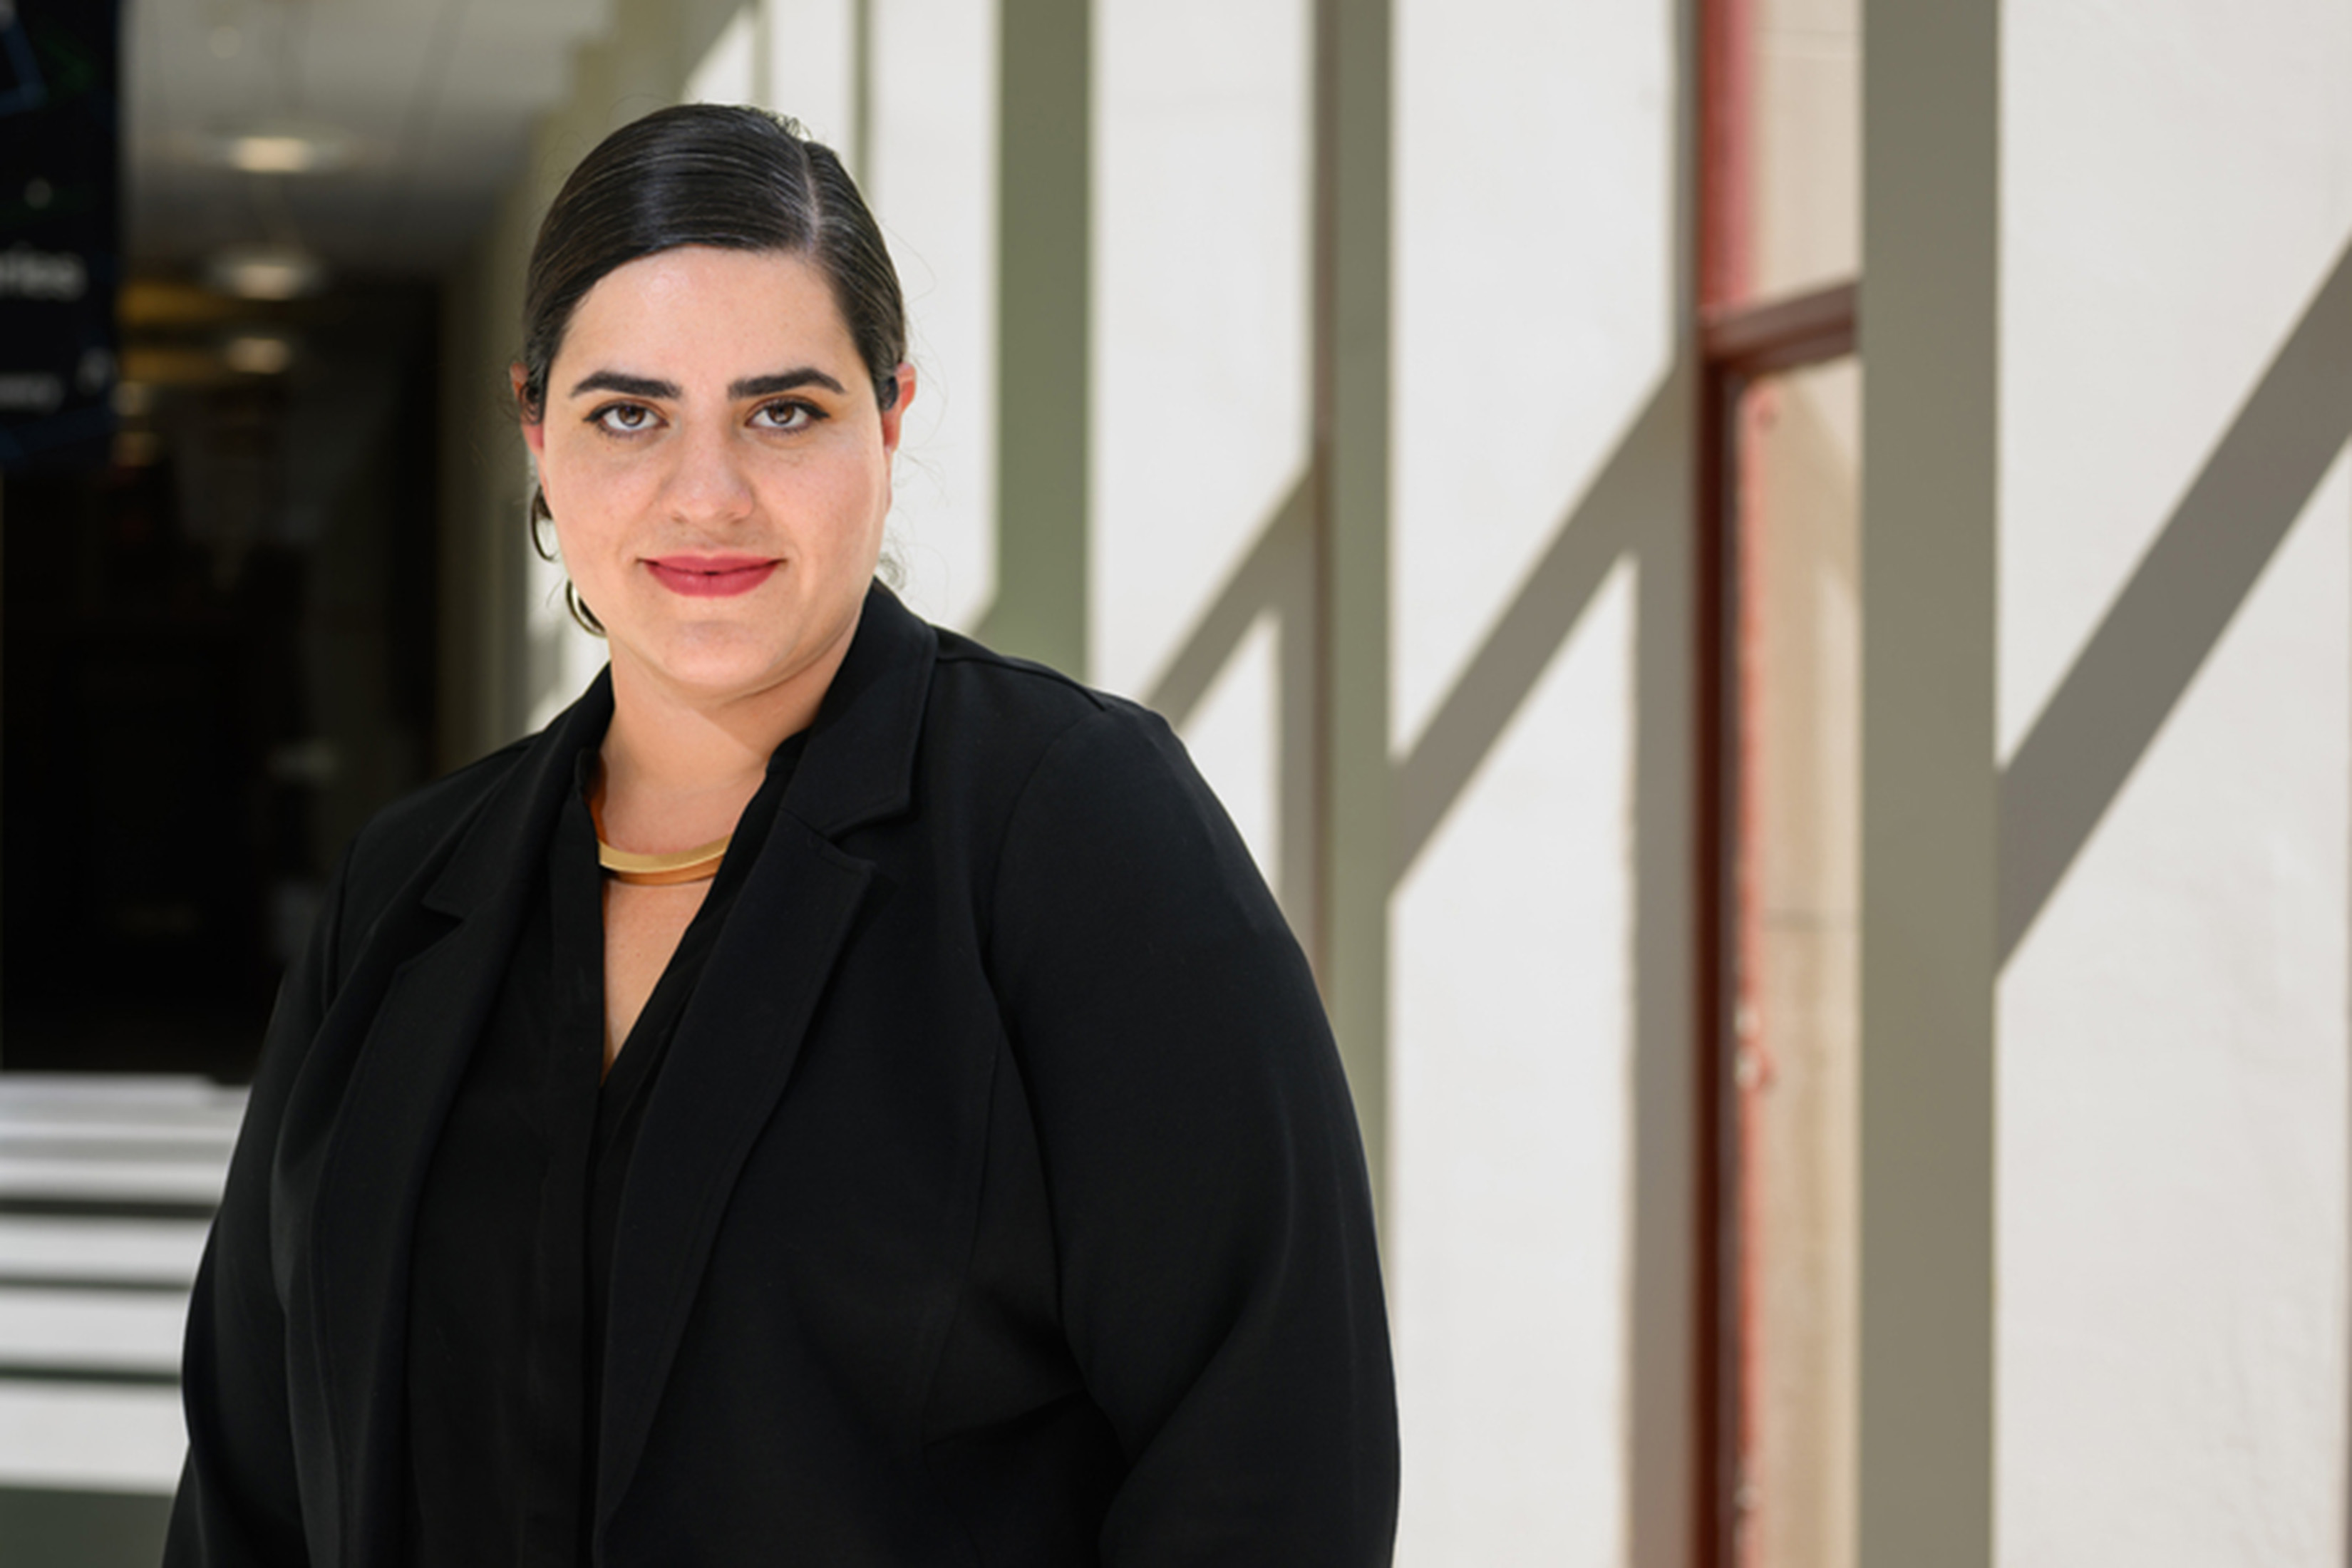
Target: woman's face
point(718, 470)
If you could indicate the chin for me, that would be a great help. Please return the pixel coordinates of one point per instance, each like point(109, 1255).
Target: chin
point(727, 672)
point(723, 661)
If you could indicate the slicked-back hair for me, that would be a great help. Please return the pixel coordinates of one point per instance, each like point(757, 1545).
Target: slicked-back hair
point(705, 173)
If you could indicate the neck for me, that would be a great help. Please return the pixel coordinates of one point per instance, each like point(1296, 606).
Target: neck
point(678, 768)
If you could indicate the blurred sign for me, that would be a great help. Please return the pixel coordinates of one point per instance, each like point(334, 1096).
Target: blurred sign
point(59, 255)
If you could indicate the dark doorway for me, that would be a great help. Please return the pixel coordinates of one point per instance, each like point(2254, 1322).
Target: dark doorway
point(217, 662)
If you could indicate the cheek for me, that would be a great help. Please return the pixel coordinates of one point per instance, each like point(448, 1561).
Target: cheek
point(586, 496)
point(831, 508)
point(864, 512)
point(574, 522)
point(576, 552)
point(552, 466)
point(587, 527)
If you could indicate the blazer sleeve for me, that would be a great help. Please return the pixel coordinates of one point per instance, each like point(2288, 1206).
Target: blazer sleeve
point(1219, 1281)
point(238, 1504)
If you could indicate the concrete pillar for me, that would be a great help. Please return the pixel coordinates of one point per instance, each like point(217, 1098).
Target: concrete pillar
point(1354, 102)
point(1929, 785)
point(1044, 222)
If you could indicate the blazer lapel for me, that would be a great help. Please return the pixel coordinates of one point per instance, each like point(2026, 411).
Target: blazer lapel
point(417, 1042)
point(741, 1033)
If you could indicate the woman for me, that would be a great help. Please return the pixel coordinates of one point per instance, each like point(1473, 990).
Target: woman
point(837, 1096)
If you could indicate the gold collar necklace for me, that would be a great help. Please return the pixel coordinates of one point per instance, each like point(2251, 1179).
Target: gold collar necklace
point(633, 870)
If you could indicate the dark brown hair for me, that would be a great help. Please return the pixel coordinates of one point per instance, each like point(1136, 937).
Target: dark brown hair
point(707, 173)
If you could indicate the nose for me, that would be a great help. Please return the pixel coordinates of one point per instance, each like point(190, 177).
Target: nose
point(707, 485)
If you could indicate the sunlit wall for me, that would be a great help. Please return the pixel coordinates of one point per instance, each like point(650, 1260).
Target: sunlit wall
point(1535, 353)
point(2175, 676)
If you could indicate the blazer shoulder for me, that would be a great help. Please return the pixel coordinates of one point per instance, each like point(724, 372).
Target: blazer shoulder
point(396, 840)
point(1005, 718)
point(1021, 707)
point(1028, 738)
point(966, 667)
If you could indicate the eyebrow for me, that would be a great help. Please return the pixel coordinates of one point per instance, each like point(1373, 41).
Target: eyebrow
point(750, 386)
point(632, 385)
point(783, 381)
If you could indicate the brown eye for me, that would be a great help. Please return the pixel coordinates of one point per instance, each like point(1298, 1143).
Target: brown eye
point(623, 418)
point(785, 415)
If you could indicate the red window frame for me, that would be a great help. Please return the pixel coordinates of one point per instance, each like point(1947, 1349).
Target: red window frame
point(1740, 340)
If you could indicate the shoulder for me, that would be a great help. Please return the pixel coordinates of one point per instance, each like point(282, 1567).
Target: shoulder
point(971, 681)
point(1080, 789)
point(1023, 727)
point(411, 832)
point(1046, 781)
point(423, 816)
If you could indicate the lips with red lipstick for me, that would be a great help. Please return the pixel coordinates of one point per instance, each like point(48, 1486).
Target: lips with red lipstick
point(710, 576)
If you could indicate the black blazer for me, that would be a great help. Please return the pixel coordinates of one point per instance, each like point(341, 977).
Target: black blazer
point(999, 1201)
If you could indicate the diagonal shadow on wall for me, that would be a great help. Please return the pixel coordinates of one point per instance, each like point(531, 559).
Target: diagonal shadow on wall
point(1255, 584)
point(2129, 677)
point(1636, 486)
point(1274, 577)
point(1633, 488)
point(1638, 505)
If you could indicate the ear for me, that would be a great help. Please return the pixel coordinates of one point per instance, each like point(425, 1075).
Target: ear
point(896, 412)
point(534, 431)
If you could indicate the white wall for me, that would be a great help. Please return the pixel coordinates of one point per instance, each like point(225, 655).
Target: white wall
point(811, 49)
point(1511, 1101)
point(1201, 376)
point(728, 72)
point(931, 180)
point(1535, 271)
point(2176, 182)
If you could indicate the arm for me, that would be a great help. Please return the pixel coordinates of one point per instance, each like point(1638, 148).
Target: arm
point(1219, 1281)
point(238, 1505)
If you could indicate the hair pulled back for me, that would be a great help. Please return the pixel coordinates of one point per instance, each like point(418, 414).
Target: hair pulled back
point(716, 174)
point(705, 173)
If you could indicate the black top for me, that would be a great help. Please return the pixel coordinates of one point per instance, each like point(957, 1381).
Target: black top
point(514, 1228)
point(999, 1203)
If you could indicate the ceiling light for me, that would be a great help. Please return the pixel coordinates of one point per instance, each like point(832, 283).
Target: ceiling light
point(275, 147)
point(266, 272)
point(257, 355)
point(278, 152)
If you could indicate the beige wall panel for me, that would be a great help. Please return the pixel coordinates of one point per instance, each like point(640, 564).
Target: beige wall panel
point(1807, 145)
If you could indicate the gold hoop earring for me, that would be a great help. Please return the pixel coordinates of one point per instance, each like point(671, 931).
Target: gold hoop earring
point(581, 613)
point(538, 514)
